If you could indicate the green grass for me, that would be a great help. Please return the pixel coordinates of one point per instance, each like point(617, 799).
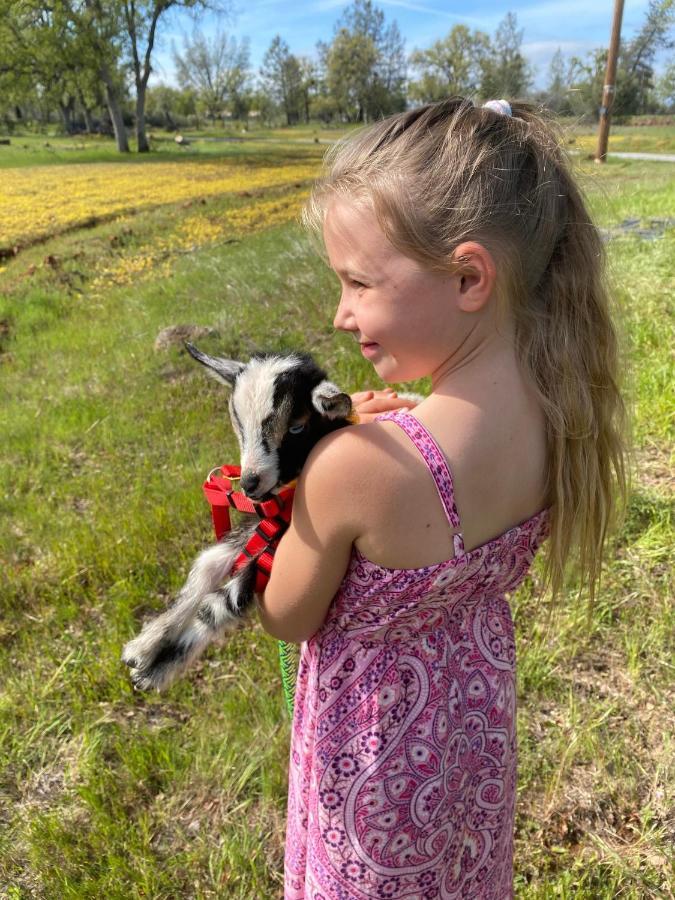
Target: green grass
point(624, 138)
point(105, 793)
point(28, 149)
point(55, 149)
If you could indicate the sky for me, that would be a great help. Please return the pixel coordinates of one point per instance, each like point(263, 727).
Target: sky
point(576, 26)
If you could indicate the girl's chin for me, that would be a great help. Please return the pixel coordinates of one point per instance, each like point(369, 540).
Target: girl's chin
point(388, 371)
point(391, 372)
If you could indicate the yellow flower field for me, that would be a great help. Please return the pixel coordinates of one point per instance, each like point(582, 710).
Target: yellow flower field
point(197, 231)
point(39, 201)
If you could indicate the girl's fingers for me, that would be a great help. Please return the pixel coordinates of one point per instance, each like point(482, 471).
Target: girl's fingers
point(369, 404)
point(365, 418)
point(361, 397)
point(383, 404)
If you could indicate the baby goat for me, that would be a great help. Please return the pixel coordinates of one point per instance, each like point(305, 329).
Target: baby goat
point(280, 406)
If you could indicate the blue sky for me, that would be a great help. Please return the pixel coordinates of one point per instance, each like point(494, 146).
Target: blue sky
point(575, 26)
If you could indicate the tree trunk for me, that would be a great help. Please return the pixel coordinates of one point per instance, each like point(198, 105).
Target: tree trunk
point(115, 111)
point(88, 121)
point(63, 109)
point(141, 137)
point(66, 110)
point(86, 111)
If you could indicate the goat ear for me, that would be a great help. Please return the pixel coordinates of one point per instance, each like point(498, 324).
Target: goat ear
point(223, 370)
point(330, 401)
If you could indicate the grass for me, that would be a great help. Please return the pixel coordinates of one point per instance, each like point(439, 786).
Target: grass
point(256, 143)
point(105, 793)
point(625, 138)
point(27, 149)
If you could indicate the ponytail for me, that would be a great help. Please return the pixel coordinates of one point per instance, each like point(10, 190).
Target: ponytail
point(568, 345)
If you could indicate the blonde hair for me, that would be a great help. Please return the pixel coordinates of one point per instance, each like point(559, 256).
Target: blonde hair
point(449, 172)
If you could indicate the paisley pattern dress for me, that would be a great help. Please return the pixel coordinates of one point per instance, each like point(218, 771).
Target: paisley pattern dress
point(402, 774)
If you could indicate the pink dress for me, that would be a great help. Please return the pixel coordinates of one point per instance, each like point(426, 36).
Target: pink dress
point(402, 775)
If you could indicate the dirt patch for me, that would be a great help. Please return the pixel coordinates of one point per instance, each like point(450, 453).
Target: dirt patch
point(648, 230)
point(5, 334)
point(47, 787)
point(155, 716)
point(614, 781)
point(176, 335)
point(655, 469)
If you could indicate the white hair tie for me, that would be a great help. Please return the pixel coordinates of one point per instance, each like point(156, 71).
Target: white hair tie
point(503, 107)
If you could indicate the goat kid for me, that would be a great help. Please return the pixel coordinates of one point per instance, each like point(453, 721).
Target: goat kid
point(280, 406)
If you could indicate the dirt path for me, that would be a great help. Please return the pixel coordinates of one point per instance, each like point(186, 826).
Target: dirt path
point(650, 157)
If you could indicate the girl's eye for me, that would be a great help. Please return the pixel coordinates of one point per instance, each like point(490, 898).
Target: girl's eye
point(357, 284)
point(296, 429)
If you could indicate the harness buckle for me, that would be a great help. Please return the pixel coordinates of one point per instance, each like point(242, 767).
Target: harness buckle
point(219, 469)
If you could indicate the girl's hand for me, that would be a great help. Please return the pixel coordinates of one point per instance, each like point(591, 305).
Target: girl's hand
point(370, 404)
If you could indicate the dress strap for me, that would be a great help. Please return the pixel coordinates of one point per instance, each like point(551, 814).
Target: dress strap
point(436, 463)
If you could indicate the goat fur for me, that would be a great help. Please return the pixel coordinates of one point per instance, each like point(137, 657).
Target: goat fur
point(280, 406)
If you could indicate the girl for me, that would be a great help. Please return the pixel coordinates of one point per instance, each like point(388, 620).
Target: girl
point(465, 253)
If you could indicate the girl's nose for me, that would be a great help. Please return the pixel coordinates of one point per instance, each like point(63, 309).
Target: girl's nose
point(344, 317)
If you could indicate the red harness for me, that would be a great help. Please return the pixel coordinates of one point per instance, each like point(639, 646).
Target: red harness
point(274, 515)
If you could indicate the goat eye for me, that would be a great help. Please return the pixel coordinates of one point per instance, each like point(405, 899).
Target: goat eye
point(297, 429)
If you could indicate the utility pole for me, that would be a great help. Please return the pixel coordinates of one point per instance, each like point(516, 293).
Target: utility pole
point(609, 87)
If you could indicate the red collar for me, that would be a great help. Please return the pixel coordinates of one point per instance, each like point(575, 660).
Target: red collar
point(274, 515)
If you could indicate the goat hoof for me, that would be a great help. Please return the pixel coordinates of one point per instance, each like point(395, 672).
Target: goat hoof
point(142, 681)
point(150, 679)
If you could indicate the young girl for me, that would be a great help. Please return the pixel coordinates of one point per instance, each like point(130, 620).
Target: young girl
point(465, 253)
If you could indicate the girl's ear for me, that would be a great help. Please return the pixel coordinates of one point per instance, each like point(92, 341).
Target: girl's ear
point(477, 274)
point(223, 370)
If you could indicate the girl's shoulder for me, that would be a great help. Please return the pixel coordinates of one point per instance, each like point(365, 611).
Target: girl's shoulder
point(493, 469)
point(373, 480)
point(357, 461)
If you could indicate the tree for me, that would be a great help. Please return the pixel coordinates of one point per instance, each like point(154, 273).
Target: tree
point(165, 104)
point(365, 64)
point(62, 50)
point(217, 69)
point(351, 66)
point(666, 87)
point(635, 88)
point(504, 71)
point(32, 69)
point(309, 83)
point(142, 20)
point(635, 71)
point(452, 65)
point(586, 81)
point(282, 75)
point(391, 74)
point(560, 74)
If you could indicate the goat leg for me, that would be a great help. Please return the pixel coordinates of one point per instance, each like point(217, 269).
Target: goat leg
point(158, 654)
point(221, 611)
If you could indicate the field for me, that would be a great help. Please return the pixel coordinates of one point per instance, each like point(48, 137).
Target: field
point(108, 793)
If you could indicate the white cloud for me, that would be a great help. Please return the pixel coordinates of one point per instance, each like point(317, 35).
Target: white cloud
point(535, 50)
point(409, 5)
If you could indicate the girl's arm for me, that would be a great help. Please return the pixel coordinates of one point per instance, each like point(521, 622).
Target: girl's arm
point(313, 555)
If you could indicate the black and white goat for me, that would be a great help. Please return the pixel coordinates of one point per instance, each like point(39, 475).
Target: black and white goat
point(280, 406)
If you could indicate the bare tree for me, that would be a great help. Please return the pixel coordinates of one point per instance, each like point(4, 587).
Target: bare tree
point(142, 20)
point(216, 68)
